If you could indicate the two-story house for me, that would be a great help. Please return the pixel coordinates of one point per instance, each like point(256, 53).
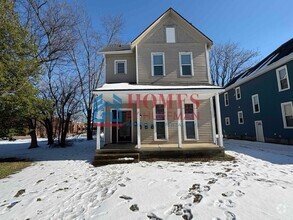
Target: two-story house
point(257, 103)
point(158, 89)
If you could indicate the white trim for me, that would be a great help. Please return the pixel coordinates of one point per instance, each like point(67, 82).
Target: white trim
point(165, 120)
point(138, 123)
point(172, 35)
point(179, 122)
point(213, 120)
point(219, 121)
point(208, 64)
point(238, 92)
point(191, 63)
point(226, 99)
point(136, 63)
point(152, 63)
point(278, 78)
point(116, 69)
point(238, 113)
point(227, 121)
point(117, 52)
point(121, 109)
point(283, 114)
point(262, 71)
point(253, 104)
point(194, 122)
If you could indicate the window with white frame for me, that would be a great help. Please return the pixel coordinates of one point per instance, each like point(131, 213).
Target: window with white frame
point(255, 103)
point(283, 78)
point(158, 64)
point(238, 93)
point(240, 117)
point(170, 35)
point(190, 122)
point(227, 121)
point(120, 66)
point(287, 113)
point(160, 122)
point(226, 99)
point(186, 66)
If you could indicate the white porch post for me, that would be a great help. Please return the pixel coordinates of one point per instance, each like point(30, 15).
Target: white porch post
point(179, 122)
point(138, 123)
point(213, 120)
point(219, 121)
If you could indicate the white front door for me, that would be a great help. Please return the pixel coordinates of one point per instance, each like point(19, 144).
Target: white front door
point(259, 131)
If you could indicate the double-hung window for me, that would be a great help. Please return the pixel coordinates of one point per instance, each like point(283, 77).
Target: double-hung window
point(160, 122)
point(255, 103)
point(158, 64)
point(240, 117)
point(186, 66)
point(287, 113)
point(120, 66)
point(238, 93)
point(226, 99)
point(283, 79)
point(190, 122)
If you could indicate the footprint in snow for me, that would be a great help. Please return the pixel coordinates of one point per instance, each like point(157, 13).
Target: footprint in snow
point(125, 197)
point(239, 193)
point(230, 215)
point(223, 204)
point(197, 198)
point(170, 180)
point(122, 184)
point(187, 214)
point(229, 203)
point(221, 174)
point(152, 216)
point(228, 194)
point(212, 181)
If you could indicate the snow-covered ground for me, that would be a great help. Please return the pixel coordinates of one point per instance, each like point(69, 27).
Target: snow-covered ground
point(63, 185)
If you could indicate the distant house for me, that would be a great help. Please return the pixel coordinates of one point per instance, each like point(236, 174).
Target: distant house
point(158, 89)
point(257, 104)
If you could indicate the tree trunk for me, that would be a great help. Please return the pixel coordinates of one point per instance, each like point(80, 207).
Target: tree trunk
point(65, 130)
point(49, 131)
point(89, 131)
point(32, 133)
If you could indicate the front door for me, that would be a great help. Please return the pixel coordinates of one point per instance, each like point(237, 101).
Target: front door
point(122, 126)
point(259, 131)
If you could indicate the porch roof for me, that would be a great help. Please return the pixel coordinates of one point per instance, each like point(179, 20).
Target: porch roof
point(124, 89)
point(129, 88)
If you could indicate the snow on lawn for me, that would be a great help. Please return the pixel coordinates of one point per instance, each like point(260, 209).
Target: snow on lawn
point(63, 185)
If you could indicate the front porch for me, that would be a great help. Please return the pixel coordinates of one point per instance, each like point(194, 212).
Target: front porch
point(129, 153)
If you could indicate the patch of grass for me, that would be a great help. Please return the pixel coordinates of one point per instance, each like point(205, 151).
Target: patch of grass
point(12, 165)
point(226, 157)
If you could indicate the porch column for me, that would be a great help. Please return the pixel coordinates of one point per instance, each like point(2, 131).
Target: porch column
point(138, 123)
point(219, 120)
point(179, 122)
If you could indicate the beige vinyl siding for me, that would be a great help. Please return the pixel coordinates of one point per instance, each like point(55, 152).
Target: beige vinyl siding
point(172, 64)
point(111, 77)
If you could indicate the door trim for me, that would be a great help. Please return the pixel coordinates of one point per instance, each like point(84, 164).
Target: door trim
point(122, 109)
point(256, 136)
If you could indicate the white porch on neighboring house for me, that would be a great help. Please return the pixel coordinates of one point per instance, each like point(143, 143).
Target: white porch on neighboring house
point(134, 99)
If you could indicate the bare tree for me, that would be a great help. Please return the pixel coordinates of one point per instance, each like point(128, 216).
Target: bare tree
point(53, 25)
point(227, 60)
point(88, 63)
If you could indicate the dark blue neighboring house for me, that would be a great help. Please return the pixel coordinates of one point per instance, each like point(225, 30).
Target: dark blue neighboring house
point(257, 103)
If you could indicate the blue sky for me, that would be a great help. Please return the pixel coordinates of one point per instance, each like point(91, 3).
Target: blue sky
point(261, 25)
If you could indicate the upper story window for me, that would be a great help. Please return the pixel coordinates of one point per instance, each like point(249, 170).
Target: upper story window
point(158, 64)
point(226, 99)
point(255, 103)
point(238, 93)
point(120, 66)
point(186, 67)
point(240, 117)
point(287, 113)
point(283, 79)
point(170, 35)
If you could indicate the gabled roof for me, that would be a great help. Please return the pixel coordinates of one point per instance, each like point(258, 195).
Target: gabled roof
point(264, 65)
point(170, 10)
point(128, 48)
